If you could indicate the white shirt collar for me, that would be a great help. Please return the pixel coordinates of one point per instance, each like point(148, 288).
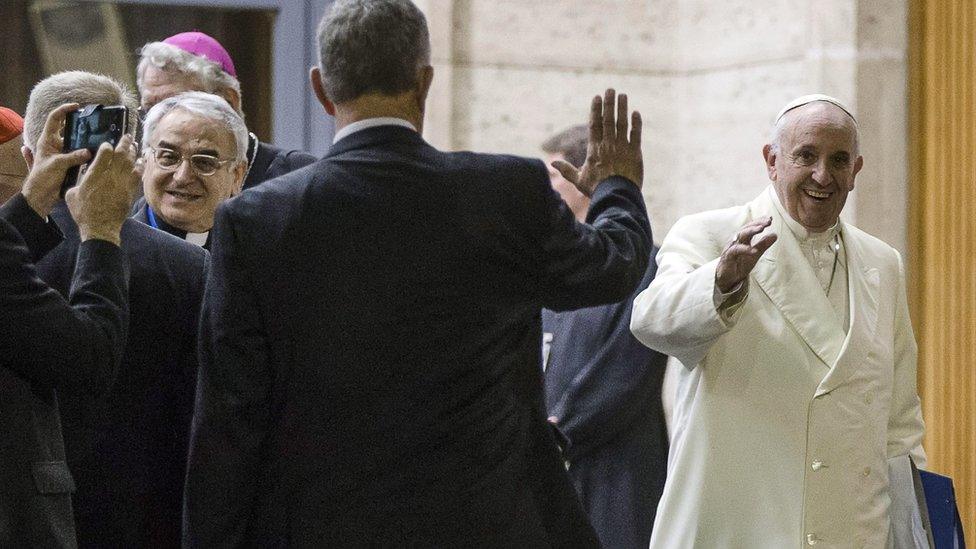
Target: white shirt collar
point(371, 123)
point(197, 238)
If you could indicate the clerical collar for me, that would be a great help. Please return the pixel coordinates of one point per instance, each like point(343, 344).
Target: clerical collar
point(200, 239)
point(802, 234)
point(360, 125)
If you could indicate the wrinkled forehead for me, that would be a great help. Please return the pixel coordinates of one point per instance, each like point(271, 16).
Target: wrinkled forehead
point(191, 130)
point(158, 84)
point(820, 119)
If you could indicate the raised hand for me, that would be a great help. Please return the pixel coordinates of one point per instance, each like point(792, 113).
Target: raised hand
point(100, 202)
point(742, 254)
point(609, 151)
point(42, 187)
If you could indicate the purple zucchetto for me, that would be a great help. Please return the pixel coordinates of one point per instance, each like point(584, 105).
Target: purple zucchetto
point(205, 46)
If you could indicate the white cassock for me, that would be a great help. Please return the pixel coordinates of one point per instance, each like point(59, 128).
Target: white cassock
point(784, 417)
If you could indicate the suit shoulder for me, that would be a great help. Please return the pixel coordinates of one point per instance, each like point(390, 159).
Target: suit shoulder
point(293, 157)
point(138, 237)
point(873, 245)
point(272, 199)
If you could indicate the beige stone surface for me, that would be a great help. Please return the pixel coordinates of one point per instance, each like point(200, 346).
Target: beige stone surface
point(708, 76)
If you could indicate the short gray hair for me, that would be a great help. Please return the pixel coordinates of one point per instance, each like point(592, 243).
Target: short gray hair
point(570, 143)
point(168, 57)
point(776, 135)
point(84, 88)
point(372, 46)
point(202, 104)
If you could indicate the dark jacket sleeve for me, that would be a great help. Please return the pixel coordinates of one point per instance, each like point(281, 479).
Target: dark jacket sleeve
point(232, 407)
point(613, 376)
point(601, 261)
point(75, 345)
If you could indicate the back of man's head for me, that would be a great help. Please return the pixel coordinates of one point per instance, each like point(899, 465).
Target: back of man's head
point(84, 88)
point(372, 46)
point(570, 144)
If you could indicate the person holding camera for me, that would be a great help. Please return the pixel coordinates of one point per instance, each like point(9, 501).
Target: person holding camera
point(127, 450)
point(49, 343)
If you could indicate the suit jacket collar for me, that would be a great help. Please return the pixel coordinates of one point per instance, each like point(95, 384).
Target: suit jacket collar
point(786, 278)
point(377, 135)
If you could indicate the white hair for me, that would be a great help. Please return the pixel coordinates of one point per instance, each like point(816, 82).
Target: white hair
point(784, 119)
point(84, 88)
point(168, 57)
point(202, 104)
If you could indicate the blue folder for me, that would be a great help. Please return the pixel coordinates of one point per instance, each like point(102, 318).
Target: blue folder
point(940, 500)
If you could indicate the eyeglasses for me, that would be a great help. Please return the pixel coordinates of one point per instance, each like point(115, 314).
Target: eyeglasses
point(169, 160)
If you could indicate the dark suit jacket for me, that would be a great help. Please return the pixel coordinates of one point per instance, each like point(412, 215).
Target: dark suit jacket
point(605, 388)
point(47, 344)
point(370, 350)
point(128, 448)
point(271, 162)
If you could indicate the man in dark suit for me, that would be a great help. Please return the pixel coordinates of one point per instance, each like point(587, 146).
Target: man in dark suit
point(128, 448)
point(194, 61)
point(48, 344)
point(370, 366)
point(603, 391)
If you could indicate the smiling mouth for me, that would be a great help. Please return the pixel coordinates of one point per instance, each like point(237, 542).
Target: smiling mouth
point(817, 195)
point(183, 196)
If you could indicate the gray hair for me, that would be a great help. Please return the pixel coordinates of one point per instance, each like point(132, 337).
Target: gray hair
point(784, 119)
point(571, 143)
point(202, 104)
point(372, 46)
point(84, 88)
point(168, 57)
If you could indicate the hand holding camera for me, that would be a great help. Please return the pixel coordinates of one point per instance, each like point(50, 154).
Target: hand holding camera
point(50, 165)
point(100, 204)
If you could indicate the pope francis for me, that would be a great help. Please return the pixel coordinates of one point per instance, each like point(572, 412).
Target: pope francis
point(799, 378)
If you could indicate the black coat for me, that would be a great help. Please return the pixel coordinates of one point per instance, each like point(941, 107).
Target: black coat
point(370, 366)
point(127, 449)
point(271, 162)
point(49, 344)
point(604, 387)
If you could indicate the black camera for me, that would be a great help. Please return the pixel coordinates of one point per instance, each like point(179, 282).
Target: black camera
point(88, 128)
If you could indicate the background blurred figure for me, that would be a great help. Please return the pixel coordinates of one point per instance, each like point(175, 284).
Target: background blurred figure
point(194, 61)
point(603, 391)
point(128, 449)
point(370, 338)
point(568, 145)
point(194, 145)
point(48, 344)
point(13, 169)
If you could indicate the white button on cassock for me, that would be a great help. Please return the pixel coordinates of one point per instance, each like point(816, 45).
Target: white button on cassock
point(812, 539)
point(816, 465)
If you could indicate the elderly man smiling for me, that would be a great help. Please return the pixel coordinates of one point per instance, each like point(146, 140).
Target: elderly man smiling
point(799, 379)
point(195, 149)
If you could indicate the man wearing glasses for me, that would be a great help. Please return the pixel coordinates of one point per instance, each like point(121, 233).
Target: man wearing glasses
point(194, 149)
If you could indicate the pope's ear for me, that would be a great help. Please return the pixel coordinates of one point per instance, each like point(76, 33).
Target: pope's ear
point(858, 164)
point(769, 155)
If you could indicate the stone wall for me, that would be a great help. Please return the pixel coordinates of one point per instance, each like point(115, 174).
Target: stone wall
point(707, 76)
